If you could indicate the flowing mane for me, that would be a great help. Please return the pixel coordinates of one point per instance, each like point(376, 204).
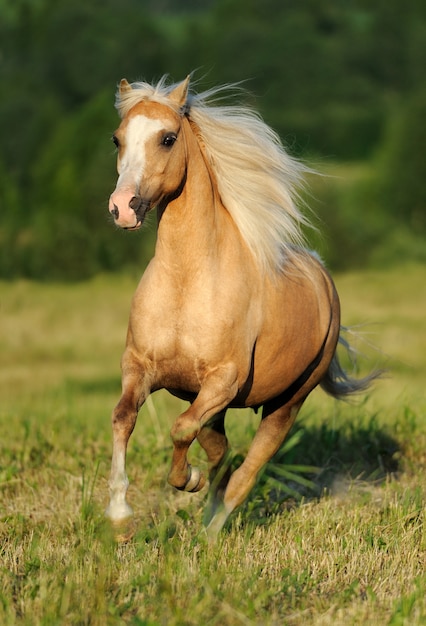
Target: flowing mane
point(257, 180)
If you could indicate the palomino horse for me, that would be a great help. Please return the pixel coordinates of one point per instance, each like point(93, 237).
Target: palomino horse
point(232, 311)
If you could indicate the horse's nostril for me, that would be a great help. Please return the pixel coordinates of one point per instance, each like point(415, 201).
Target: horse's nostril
point(115, 212)
point(135, 203)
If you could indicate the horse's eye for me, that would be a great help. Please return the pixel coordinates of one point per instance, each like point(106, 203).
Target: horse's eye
point(168, 140)
point(115, 141)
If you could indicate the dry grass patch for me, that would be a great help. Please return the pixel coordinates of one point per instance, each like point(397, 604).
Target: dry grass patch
point(352, 551)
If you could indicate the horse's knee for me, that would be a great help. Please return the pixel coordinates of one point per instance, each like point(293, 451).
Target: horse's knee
point(184, 430)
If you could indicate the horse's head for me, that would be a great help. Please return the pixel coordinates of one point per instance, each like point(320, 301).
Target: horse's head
point(151, 155)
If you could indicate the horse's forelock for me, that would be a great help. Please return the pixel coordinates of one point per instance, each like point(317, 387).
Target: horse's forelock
point(142, 91)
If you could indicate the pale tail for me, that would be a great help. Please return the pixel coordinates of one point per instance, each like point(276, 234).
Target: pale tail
point(338, 384)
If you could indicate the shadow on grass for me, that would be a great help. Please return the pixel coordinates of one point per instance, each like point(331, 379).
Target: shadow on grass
point(322, 460)
point(366, 452)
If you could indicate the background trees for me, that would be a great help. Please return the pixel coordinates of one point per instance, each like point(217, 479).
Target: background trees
point(339, 81)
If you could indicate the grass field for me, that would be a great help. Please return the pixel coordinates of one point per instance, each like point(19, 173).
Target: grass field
point(351, 551)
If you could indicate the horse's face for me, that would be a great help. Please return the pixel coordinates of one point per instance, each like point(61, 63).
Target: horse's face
point(151, 162)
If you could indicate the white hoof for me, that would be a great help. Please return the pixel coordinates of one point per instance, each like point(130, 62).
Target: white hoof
point(196, 480)
point(118, 513)
point(122, 521)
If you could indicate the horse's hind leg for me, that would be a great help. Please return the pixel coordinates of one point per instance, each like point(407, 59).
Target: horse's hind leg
point(212, 439)
point(271, 433)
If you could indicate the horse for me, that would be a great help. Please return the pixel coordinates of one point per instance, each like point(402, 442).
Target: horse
point(233, 310)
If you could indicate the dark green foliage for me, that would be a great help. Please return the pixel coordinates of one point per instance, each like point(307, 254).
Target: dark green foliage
point(403, 165)
point(340, 80)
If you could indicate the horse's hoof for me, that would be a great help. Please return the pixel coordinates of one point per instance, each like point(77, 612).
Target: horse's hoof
point(123, 530)
point(216, 523)
point(196, 480)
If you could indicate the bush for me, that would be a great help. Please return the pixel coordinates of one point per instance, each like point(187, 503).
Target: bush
point(402, 165)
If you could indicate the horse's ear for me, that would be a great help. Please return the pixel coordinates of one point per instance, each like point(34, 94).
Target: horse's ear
point(124, 87)
point(180, 93)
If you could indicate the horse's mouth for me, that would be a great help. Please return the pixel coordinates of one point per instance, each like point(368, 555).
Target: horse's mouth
point(135, 227)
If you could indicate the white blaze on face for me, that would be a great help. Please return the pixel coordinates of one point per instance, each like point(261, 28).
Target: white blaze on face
point(132, 164)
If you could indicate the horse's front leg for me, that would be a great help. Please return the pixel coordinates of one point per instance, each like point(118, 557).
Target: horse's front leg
point(217, 391)
point(123, 422)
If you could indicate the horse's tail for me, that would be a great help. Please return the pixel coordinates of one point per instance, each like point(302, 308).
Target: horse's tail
point(338, 383)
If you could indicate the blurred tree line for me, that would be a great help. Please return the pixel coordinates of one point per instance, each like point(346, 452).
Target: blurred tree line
point(340, 81)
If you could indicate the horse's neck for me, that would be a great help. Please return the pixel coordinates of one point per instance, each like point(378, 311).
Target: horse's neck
point(191, 227)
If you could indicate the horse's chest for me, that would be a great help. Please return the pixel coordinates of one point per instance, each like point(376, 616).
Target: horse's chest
point(168, 337)
point(182, 346)
point(183, 334)
point(179, 363)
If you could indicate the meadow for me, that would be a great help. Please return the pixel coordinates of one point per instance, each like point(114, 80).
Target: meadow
point(346, 544)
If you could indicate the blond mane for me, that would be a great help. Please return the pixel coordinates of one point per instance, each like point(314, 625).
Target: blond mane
point(257, 180)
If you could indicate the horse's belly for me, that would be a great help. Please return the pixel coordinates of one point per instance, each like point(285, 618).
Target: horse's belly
point(287, 349)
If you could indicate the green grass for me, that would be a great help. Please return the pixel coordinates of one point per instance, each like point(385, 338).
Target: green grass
point(351, 551)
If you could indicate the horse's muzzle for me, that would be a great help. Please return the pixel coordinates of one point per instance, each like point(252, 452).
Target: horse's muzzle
point(129, 214)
